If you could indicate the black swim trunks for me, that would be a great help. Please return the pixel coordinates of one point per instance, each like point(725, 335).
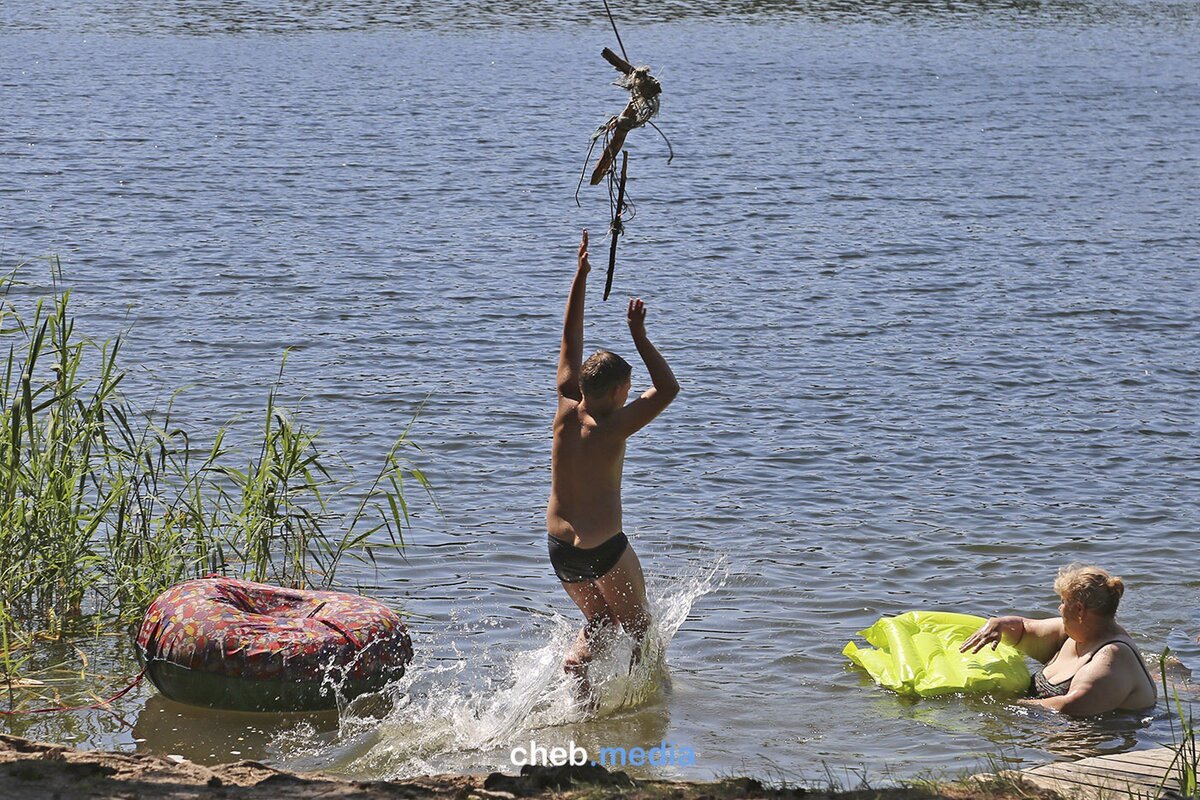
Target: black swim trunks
point(577, 564)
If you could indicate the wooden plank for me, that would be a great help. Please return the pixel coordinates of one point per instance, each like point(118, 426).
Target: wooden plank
point(1115, 768)
point(1137, 774)
point(1158, 756)
point(1143, 760)
point(1076, 791)
point(1093, 786)
point(1104, 778)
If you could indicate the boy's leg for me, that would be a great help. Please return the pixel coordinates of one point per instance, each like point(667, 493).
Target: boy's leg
point(600, 620)
point(623, 589)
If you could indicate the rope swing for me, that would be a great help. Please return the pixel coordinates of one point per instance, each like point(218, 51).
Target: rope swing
point(644, 93)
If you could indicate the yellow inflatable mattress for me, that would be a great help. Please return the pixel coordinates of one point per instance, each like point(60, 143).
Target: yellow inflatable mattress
point(917, 654)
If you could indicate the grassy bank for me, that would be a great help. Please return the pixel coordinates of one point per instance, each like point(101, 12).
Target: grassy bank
point(103, 505)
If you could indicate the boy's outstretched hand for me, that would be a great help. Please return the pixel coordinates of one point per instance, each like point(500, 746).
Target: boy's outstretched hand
point(637, 316)
point(584, 266)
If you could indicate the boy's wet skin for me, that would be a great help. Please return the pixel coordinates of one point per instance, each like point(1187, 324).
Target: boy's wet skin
point(588, 549)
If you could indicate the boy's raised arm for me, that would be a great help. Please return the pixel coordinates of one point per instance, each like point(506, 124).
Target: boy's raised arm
point(570, 357)
point(635, 416)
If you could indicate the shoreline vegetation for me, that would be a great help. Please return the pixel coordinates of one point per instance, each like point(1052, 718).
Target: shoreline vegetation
point(104, 505)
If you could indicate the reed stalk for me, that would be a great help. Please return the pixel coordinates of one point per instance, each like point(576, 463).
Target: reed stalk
point(1186, 762)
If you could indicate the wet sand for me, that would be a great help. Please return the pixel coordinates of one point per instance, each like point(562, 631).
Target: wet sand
point(36, 770)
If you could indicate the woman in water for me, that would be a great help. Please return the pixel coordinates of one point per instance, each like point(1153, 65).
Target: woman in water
point(1090, 665)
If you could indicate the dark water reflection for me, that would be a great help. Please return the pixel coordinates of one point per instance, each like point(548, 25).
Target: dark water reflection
point(232, 17)
point(217, 737)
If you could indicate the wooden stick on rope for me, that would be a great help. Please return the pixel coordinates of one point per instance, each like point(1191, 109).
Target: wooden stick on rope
point(618, 63)
point(620, 126)
point(620, 129)
point(616, 225)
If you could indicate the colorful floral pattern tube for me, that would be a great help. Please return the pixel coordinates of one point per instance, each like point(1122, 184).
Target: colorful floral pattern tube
point(260, 636)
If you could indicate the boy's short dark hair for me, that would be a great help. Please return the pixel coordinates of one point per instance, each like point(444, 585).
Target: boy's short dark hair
point(602, 372)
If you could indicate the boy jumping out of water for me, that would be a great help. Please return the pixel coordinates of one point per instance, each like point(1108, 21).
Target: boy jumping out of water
point(588, 548)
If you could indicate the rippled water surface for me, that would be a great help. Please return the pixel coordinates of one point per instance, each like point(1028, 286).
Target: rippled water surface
point(928, 277)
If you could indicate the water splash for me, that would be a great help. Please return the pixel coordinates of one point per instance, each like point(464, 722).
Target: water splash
point(458, 713)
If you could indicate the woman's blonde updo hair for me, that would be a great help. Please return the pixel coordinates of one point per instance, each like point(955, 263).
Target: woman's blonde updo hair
point(1091, 586)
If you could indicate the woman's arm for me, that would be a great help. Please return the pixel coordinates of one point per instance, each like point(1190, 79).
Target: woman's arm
point(1036, 638)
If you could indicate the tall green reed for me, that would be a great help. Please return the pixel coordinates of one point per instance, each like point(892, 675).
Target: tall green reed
point(102, 506)
point(1185, 765)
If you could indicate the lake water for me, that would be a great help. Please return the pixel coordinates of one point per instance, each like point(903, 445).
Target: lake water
point(928, 275)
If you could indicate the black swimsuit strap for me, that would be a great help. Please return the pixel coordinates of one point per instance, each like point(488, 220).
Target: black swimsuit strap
point(1089, 658)
point(1140, 660)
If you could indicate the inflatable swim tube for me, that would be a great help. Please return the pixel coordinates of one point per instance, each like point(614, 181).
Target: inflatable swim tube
point(918, 655)
point(231, 644)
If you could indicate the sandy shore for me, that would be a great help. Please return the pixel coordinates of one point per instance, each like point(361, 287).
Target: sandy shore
point(36, 770)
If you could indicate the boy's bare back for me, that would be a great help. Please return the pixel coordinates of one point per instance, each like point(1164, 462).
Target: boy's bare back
point(586, 462)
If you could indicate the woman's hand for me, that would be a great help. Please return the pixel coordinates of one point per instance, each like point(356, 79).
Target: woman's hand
point(994, 632)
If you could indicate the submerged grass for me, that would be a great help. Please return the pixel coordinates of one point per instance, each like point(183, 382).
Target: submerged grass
point(103, 506)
